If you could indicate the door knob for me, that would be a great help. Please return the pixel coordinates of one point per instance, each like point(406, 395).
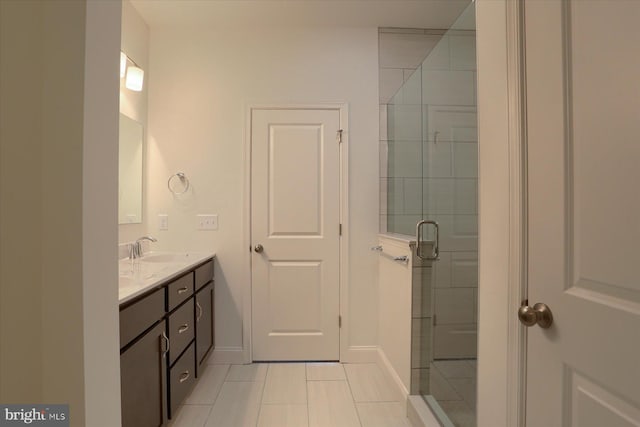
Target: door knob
point(258, 248)
point(539, 314)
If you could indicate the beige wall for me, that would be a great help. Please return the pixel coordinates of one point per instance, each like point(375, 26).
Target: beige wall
point(21, 202)
point(201, 82)
point(58, 294)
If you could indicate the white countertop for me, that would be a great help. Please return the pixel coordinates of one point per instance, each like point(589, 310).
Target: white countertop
point(139, 275)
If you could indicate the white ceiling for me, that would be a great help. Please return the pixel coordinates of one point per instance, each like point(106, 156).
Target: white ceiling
point(434, 14)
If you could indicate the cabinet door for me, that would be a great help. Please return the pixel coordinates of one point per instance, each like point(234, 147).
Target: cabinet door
point(204, 322)
point(143, 379)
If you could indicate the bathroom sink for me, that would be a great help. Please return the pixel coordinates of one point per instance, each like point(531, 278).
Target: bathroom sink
point(137, 276)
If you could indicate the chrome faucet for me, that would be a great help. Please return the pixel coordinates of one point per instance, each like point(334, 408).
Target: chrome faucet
point(135, 249)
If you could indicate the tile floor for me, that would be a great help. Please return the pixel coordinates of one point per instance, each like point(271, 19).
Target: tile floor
point(453, 385)
point(292, 394)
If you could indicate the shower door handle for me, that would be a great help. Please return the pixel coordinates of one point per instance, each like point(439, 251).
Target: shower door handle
point(436, 250)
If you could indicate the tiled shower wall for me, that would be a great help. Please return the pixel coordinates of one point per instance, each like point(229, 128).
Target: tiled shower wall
point(428, 146)
point(401, 51)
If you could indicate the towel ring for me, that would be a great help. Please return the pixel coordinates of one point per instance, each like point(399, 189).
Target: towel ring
point(183, 179)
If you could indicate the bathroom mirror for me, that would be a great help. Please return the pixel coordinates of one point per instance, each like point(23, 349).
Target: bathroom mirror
point(130, 171)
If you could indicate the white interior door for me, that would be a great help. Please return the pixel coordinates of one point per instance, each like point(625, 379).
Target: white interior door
point(583, 112)
point(295, 218)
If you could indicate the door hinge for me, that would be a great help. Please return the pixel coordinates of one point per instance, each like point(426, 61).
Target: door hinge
point(339, 321)
point(340, 229)
point(339, 136)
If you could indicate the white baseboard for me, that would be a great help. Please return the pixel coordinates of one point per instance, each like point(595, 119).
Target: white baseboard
point(227, 355)
point(360, 354)
point(399, 389)
point(236, 355)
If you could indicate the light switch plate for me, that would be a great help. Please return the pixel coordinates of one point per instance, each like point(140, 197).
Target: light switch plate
point(163, 222)
point(207, 222)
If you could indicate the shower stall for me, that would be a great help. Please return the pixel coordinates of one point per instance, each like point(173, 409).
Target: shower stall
point(429, 176)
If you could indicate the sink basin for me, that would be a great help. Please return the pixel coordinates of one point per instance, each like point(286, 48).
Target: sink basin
point(167, 257)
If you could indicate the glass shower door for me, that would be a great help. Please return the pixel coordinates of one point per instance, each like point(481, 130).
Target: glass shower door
point(432, 176)
point(450, 182)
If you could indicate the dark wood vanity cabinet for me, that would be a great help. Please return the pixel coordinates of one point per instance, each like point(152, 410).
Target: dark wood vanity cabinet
point(143, 380)
point(181, 330)
point(204, 300)
point(205, 325)
point(182, 366)
point(165, 335)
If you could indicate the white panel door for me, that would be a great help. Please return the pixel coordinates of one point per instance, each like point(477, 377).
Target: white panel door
point(583, 112)
point(295, 217)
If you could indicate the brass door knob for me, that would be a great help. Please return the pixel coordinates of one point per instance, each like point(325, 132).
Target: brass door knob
point(258, 248)
point(539, 314)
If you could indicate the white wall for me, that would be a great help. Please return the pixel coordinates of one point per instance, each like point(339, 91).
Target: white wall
point(99, 218)
point(200, 84)
point(135, 43)
point(494, 205)
point(395, 316)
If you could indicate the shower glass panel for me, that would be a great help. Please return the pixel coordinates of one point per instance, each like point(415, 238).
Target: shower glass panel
point(432, 174)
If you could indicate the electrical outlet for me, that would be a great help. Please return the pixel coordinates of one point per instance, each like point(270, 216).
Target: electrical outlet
point(163, 222)
point(207, 222)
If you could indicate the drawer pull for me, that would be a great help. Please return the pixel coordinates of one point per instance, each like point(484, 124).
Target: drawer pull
point(199, 311)
point(184, 376)
point(182, 290)
point(165, 350)
point(183, 328)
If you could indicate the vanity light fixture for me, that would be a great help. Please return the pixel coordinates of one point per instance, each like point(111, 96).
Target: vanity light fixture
point(134, 74)
point(123, 64)
point(135, 78)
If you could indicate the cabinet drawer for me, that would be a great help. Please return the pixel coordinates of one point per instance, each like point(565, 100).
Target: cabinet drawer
point(181, 330)
point(181, 379)
point(179, 290)
point(204, 274)
point(138, 317)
